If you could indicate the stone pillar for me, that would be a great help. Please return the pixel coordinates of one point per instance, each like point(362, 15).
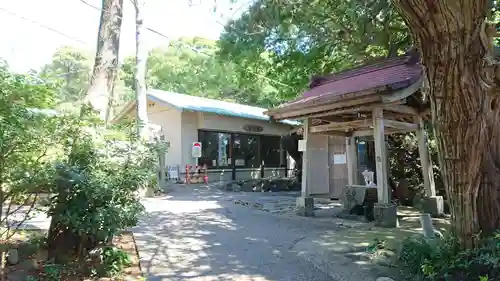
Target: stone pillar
point(305, 203)
point(386, 215)
point(431, 204)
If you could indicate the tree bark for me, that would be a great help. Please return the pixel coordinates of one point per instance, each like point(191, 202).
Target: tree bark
point(141, 56)
point(100, 93)
point(450, 36)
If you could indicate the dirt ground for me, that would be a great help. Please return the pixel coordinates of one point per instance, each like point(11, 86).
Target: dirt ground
point(33, 264)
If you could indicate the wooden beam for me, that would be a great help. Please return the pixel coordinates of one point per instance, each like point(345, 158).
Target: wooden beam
point(380, 156)
point(403, 93)
point(403, 109)
point(403, 126)
point(334, 133)
point(337, 126)
point(299, 112)
point(362, 133)
point(425, 112)
point(425, 160)
point(352, 161)
point(305, 188)
point(353, 110)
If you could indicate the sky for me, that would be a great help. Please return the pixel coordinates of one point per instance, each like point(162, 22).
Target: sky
point(26, 45)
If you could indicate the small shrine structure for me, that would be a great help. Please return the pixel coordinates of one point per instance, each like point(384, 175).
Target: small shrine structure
point(375, 100)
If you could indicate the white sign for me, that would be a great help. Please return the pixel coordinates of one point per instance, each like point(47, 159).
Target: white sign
point(339, 159)
point(302, 145)
point(196, 150)
point(173, 172)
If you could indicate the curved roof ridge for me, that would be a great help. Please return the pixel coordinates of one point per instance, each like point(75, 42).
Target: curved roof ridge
point(361, 69)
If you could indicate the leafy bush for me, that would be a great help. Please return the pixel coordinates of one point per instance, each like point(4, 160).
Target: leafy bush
point(442, 259)
point(114, 260)
point(27, 130)
point(96, 186)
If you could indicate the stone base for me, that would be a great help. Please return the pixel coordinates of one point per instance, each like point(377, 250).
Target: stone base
point(386, 215)
point(305, 206)
point(433, 206)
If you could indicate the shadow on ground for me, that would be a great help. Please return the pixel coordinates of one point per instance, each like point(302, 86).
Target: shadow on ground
point(201, 235)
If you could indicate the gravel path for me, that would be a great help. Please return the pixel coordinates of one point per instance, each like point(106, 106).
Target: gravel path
point(201, 234)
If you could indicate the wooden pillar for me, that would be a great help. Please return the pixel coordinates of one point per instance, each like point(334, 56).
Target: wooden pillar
point(352, 161)
point(425, 160)
point(380, 156)
point(305, 191)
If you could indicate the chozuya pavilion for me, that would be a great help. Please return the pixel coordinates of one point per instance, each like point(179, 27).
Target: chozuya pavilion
point(360, 105)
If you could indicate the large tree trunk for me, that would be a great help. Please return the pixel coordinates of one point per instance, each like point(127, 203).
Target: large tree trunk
point(100, 93)
point(140, 71)
point(450, 35)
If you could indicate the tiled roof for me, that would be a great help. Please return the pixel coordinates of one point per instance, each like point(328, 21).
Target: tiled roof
point(395, 73)
point(194, 103)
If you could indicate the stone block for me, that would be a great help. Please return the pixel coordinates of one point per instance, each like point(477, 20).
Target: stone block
point(305, 206)
point(266, 186)
point(281, 184)
point(295, 185)
point(358, 195)
point(385, 215)
point(257, 188)
point(13, 256)
point(236, 187)
point(433, 206)
point(248, 186)
point(427, 227)
point(368, 212)
point(384, 279)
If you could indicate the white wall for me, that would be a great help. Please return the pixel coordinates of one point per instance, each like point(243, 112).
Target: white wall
point(170, 121)
point(212, 121)
point(189, 135)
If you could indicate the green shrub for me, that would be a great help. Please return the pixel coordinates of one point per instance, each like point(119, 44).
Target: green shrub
point(114, 260)
point(95, 187)
point(442, 259)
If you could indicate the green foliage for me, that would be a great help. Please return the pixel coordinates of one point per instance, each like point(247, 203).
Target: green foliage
point(27, 132)
point(377, 244)
point(96, 184)
point(443, 259)
point(49, 272)
point(404, 160)
point(52, 272)
point(114, 260)
point(37, 241)
point(289, 41)
point(190, 66)
point(70, 72)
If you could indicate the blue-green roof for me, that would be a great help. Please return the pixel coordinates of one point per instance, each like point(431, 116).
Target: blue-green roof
point(187, 102)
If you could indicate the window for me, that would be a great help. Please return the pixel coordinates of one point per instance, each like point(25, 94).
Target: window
point(223, 150)
point(215, 149)
point(246, 151)
point(270, 151)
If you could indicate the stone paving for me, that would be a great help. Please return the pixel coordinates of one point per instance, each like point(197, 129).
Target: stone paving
point(202, 233)
point(199, 233)
point(37, 218)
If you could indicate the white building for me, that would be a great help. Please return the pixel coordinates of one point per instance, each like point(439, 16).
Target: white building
point(238, 141)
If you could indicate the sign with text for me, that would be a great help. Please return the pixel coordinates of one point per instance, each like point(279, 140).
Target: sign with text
point(196, 150)
point(339, 158)
point(302, 145)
